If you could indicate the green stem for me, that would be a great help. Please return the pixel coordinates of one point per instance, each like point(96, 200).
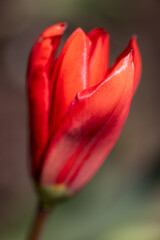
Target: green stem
point(38, 224)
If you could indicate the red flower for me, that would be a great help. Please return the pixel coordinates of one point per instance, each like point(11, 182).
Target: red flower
point(77, 105)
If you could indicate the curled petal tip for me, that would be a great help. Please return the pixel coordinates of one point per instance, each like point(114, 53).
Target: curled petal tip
point(54, 30)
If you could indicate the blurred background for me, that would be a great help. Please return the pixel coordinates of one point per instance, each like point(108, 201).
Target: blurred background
point(122, 202)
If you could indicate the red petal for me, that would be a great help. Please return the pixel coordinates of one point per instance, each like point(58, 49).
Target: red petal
point(40, 62)
point(71, 74)
point(132, 46)
point(99, 58)
point(90, 129)
point(137, 62)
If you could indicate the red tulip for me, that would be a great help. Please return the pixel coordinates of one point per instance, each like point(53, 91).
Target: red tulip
point(77, 105)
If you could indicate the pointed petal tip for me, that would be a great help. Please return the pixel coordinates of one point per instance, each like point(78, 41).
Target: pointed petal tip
point(133, 42)
point(133, 46)
point(79, 31)
point(134, 37)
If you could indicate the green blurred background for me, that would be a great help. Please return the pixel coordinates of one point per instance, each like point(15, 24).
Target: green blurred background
point(122, 202)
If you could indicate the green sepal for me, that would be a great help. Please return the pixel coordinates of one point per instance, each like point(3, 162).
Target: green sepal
point(50, 196)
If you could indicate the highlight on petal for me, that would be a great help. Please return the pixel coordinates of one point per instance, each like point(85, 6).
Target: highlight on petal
point(90, 129)
point(132, 46)
point(70, 74)
point(38, 81)
point(99, 57)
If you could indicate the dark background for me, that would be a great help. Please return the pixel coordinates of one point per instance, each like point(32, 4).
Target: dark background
point(122, 202)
